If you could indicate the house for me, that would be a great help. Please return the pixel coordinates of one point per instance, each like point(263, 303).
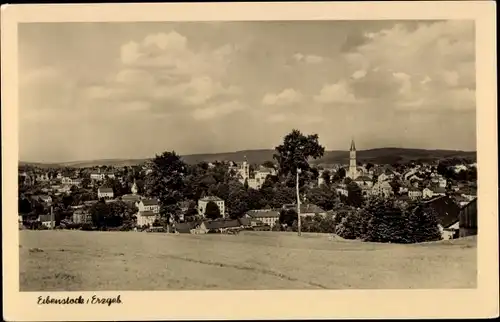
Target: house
point(442, 182)
point(431, 192)
point(146, 218)
point(342, 190)
point(66, 180)
point(264, 216)
point(459, 167)
point(76, 182)
point(364, 182)
point(131, 198)
point(81, 216)
point(44, 198)
point(414, 193)
point(148, 205)
point(184, 228)
point(427, 193)
point(310, 210)
point(383, 189)
point(218, 226)
point(202, 205)
point(46, 220)
point(447, 213)
point(469, 193)
point(104, 192)
point(404, 188)
point(468, 219)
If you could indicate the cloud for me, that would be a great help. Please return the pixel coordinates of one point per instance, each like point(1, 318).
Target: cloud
point(308, 59)
point(431, 64)
point(335, 93)
point(359, 74)
point(171, 51)
point(217, 110)
point(162, 72)
point(288, 96)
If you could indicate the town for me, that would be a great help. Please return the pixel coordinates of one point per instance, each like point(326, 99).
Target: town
point(167, 195)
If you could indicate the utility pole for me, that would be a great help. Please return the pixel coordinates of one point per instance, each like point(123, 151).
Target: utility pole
point(52, 223)
point(298, 205)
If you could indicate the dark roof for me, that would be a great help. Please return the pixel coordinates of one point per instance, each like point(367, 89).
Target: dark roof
point(211, 198)
point(446, 209)
point(363, 178)
point(244, 221)
point(131, 197)
point(150, 202)
point(218, 224)
point(439, 190)
point(185, 227)
point(263, 213)
point(45, 218)
point(310, 208)
point(105, 189)
point(147, 213)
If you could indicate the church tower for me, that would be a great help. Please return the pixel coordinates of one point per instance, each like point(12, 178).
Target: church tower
point(353, 172)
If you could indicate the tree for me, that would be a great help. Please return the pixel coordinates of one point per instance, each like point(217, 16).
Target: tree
point(295, 152)
point(166, 183)
point(354, 195)
point(288, 217)
point(268, 164)
point(326, 175)
point(422, 224)
point(212, 211)
point(99, 212)
point(339, 175)
point(323, 197)
point(387, 223)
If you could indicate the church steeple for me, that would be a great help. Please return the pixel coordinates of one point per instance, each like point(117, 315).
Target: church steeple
point(353, 146)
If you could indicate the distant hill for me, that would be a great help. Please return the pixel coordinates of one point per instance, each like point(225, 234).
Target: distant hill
point(380, 156)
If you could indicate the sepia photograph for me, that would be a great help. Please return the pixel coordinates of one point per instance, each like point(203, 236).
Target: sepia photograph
point(264, 155)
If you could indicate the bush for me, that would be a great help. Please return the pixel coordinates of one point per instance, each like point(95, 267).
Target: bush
point(351, 226)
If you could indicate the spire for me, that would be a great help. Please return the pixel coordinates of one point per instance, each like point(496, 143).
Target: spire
point(353, 146)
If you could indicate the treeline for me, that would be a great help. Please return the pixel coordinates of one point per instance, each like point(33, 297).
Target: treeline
point(383, 221)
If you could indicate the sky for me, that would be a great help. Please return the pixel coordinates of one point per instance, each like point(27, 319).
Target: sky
point(92, 91)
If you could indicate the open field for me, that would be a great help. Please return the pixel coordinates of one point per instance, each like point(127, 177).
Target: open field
point(85, 261)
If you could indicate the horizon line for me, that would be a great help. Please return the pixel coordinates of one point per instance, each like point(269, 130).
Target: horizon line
point(237, 151)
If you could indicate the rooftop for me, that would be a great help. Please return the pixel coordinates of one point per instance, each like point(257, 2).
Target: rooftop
point(149, 202)
point(211, 198)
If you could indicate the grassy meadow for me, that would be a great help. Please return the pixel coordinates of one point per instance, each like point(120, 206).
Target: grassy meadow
point(101, 261)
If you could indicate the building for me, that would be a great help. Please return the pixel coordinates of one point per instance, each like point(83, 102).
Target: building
point(100, 176)
point(352, 172)
point(365, 183)
point(184, 228)
point(382, 189)
point(45, 198)
point(131, 198)
point(148, 205)
point(468, 219)
point(134, 188)
point(146, 218)
point(310, 210)
point(202, 205)
point(447, 214)
point(106, 193)
point(81, 216)
point(414, 193)
point(46, 221)
point(218, 226)
point(265, 216)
